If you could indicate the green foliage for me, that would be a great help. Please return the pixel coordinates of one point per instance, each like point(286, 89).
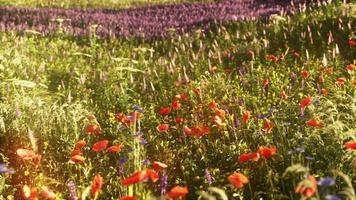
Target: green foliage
point(49, 87)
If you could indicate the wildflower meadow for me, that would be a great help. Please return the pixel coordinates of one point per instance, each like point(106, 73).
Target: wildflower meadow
point(186, 99)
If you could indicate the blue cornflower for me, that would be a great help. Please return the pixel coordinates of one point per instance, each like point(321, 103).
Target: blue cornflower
point(137, 108)
point(326, 181)
point(300, 149)
point(5, 170)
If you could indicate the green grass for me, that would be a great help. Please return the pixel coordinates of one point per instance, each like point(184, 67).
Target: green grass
point(90, 3)
point(42, 90)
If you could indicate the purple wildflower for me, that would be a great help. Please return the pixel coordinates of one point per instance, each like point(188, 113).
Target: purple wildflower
point(332, 197)
point(236, 122)
point(164, 183)
point(208, 176)
point(120, 166)
point(326, 181)
point(300, 149)
point(143, 141)
point(5, 170)
point(137, 108)
point(72, 190)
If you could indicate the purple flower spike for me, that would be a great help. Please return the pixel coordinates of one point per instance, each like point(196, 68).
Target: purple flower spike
point(72, 190)
point(208, 176)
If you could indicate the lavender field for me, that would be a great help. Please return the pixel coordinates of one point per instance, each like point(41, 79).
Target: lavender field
point(147, 22)
point(186, 99)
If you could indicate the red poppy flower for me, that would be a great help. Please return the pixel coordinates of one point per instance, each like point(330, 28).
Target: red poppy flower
point(351, 145)
point(182, 97)
point(29, 193)
point(304, 74)
point(267, 127)
point(76, 152)
point(267, 152)
point(197, 91)
point(340, 81)
point(213, 105)
point(99, 146)
point(165, 111)
point(96, 185)
point(314, 123)
point(158, 165)
point(245, 157)
point(93, 129)
point(187, 130)
point(162, 128)
point(246, 116)
point(324, 91)
point(354, 83)
point(152, 175)
point(265, 82)
point(238, 180)
point(305, 102)
point(296, 54)
point(254, 156)
point(351, 67)
point(179, 120)
point(321, 79)
point(135, 115)
point(307, 187)
point(135, 178)
point(128, 198)
point(80, 144)
point(271, 57)
point(77, 159)
point(352, 43)
point(48, 194)
point(176, 105)
point(120, 117)
point(220, 113)
point(177, 192)
point(115, 148)
point(26, 154)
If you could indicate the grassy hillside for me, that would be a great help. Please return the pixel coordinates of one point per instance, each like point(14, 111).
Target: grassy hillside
point(282, 88)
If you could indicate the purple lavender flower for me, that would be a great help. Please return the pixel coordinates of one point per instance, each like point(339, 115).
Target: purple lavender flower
point(293, 77)
point(72, 190)
point(326, 182)
point(236, 122)
point(208, 176)
point(120, 165)
point(5, 170)
point(163, 183)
